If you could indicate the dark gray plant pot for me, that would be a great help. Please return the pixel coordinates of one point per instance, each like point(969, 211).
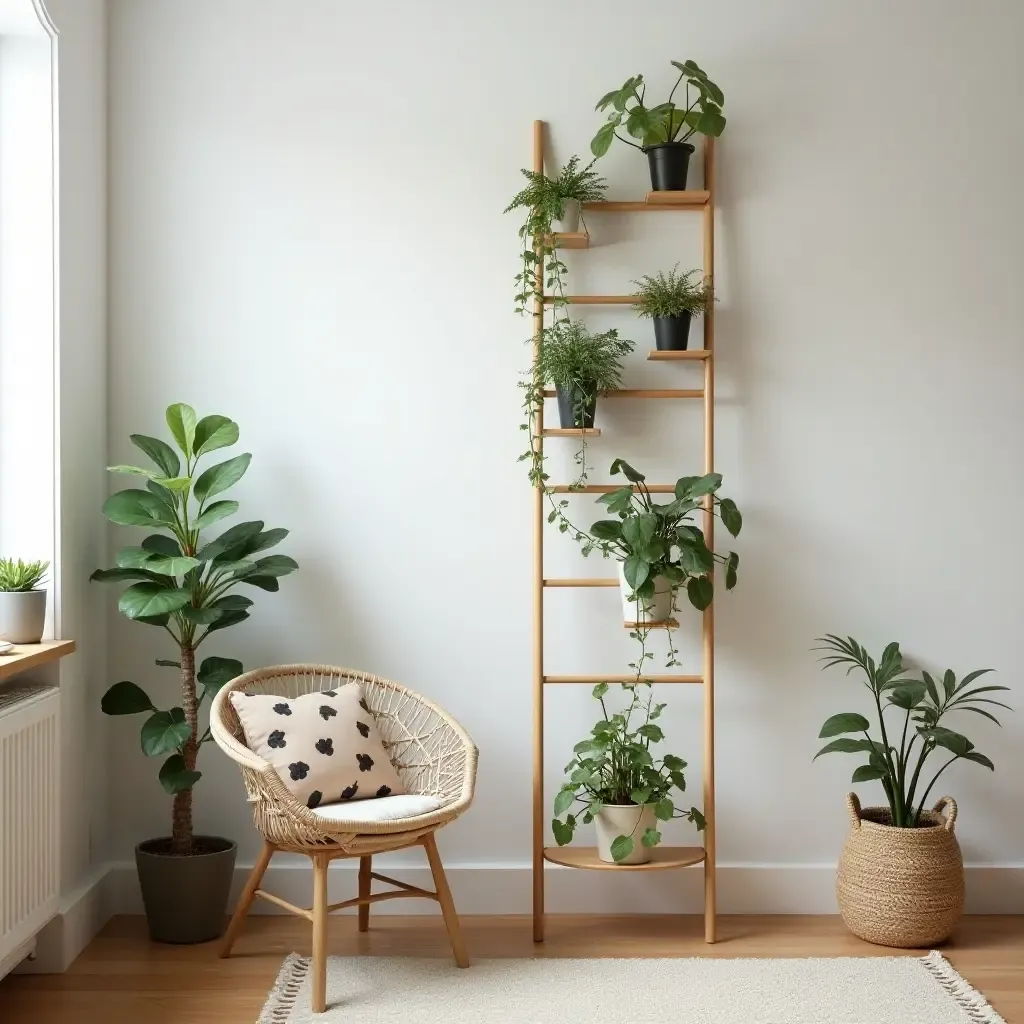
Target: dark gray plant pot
point(672, 333)
point(567, 401)
point(22, 616)
point(186, 898)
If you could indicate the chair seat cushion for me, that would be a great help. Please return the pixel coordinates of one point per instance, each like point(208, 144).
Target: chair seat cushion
point(386, 808)
point(325, 745)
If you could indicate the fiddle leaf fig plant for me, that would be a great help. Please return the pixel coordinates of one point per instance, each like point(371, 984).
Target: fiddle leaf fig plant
point(615, 766)
point(921, 704)
point(184, 582)
point(700, 111)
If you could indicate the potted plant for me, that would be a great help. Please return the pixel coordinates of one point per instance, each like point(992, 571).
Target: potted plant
point(580, 365)
point(183, 582)
point(552, 205)
point(671, 300)
point(658, 128)
point(901, 878)
point(659, 548)
point(22, 602)
point(621, 786)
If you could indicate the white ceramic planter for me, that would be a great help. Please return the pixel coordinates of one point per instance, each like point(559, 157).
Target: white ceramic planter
point(655, 609)
point(22, 616)
point(633, 820)
point(571, 221)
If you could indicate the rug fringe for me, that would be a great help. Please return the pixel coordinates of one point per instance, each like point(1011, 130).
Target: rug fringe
point(281, 1000)
point(968, 998)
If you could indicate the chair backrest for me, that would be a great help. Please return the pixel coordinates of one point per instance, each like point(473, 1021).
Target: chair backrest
point(427, 747)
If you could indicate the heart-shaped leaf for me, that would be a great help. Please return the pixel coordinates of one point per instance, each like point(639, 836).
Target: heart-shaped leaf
point(174, 777)
point(731, 517)
point(125, 698)
point(700, 591)
point(622, 847)
point(563, 801)
point(150, 599)
point(164, 731)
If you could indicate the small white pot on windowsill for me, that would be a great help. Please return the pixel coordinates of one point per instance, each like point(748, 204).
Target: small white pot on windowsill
point(22, 616)
point(655, 609)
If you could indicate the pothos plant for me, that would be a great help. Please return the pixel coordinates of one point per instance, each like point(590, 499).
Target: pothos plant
point(543, 201)
point(615, 766)
point(700, 110)
point(183, 582)
point(582, 365)
point(921, 704)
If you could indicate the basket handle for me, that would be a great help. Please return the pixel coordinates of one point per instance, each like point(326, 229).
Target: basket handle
point(948, 804)
point(853, 806)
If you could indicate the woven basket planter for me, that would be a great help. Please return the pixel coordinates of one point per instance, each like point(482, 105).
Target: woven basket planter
point(901, 886)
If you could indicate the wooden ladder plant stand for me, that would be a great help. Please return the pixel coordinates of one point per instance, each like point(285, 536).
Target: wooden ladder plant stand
point(696, 200)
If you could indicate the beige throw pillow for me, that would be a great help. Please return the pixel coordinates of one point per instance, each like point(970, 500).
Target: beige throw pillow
point(325, 745)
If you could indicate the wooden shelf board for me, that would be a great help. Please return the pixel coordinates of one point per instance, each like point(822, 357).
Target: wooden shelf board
point(691, 199)
point(624, 679)
point(642, 393)
point(663, 624)
point(567, 582)
point(608, 488)
point(662, 858)
point(570, 240)
point(594, 300)
point(571, 432)
point(658, 355)
point(28, 656)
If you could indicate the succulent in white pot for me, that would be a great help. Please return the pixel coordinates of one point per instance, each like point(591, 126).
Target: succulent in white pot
point(22, 601)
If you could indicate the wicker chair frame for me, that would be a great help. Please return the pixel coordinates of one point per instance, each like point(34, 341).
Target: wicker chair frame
point(433, 756)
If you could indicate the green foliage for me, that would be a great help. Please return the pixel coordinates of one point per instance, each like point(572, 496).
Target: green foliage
point(701, 111)
point(923, 702)
point(544, 200)
point(183, 582)
point(19, 576)
point(581, 364)
point(614, 765)
point(673, 294)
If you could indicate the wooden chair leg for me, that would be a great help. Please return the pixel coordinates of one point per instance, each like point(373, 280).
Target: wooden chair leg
point(245, 900)
point(365, 867)
point(444, 897)
point(320, 915)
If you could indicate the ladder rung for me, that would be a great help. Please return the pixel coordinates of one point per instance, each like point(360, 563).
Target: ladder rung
point(567, 582)
point(670, 355)
point(594, 300)
point(624, 679)
point(571, 432)
point(643, 393)
point(608, 488)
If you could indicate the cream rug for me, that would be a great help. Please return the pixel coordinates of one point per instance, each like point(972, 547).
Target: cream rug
point(851, 990)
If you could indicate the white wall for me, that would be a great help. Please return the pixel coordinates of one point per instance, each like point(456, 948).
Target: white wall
point(306, 235)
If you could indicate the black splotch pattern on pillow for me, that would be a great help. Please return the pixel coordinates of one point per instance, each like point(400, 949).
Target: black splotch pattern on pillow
point(324, 745)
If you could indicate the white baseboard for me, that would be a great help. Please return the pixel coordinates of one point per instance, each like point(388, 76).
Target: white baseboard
point(81, 914)
point(506, 889)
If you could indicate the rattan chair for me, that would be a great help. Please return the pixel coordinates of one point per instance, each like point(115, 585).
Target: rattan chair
point(433, 757)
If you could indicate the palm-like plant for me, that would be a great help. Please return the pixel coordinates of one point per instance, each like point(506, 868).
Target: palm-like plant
point(923, 702)
point(182, 582)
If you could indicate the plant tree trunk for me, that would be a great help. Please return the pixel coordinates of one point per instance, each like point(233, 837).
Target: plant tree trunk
point(181, 835)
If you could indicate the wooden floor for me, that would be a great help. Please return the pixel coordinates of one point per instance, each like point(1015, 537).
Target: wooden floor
point(122, 978)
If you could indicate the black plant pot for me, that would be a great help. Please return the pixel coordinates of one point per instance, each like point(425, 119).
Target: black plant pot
point(567, 403)
point(669, 162)
point(186, 898)
point(671, 333)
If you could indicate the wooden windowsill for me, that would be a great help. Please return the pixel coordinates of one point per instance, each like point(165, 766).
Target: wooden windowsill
point(27, 656)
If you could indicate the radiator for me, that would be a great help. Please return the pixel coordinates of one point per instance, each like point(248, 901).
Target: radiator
point(29, 812)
